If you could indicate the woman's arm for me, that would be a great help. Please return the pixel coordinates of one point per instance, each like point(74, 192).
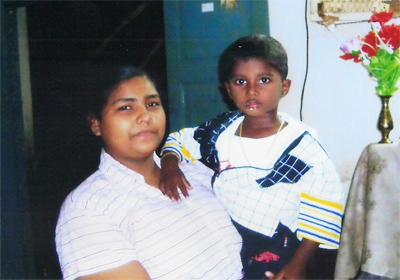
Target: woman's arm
point(131, 271)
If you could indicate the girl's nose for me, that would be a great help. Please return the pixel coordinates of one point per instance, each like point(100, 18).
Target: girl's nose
point(252, 89)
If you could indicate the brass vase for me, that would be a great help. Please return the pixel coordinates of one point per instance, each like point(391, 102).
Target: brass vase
point(385, 121)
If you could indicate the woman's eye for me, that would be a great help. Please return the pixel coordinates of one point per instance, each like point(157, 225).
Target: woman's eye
point(125, 108)
point(154, 104)
point(240, 82)
point(264, 80)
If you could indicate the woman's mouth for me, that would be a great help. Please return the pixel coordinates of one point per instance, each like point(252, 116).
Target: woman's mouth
point(145, 133)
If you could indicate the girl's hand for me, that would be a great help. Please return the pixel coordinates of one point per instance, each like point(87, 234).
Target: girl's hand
point(297, 267)
point(172, 178)
point(290, 271)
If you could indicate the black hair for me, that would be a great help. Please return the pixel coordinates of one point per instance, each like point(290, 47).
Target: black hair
point(253, 46)
point(106, 82)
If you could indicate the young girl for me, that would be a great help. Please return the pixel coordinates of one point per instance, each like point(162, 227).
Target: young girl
point(118, 225)
point(270, 172)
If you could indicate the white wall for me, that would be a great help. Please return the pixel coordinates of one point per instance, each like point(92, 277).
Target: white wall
point(340, 100)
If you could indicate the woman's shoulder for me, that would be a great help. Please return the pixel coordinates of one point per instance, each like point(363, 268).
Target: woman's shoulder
point(197, 170)
point(96, 193)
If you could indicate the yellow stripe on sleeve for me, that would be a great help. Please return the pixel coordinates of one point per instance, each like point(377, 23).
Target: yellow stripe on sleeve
point(321, 213)
point(322, 201)
point(332, 234)
point(334, 246)
point(187, 154)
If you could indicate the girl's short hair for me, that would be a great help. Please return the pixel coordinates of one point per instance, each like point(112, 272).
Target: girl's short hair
point(253, 46)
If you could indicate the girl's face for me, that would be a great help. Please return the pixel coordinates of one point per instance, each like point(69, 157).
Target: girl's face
point(133, 121)
point(256, 87)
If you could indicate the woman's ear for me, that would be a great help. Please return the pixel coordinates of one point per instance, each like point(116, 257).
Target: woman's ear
point(94, 124)
point(286, 87)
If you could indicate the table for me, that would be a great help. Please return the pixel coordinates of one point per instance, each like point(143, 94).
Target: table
point(370, 239)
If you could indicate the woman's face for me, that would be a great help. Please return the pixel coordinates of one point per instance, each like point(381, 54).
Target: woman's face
point(133, 121)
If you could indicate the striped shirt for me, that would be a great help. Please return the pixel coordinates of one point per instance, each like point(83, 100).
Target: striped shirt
point(287, 177)
point(114, 218)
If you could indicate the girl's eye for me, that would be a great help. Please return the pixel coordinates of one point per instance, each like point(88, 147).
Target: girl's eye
point(240, 82)
point(264, 80)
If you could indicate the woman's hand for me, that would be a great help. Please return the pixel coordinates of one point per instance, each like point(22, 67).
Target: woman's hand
point(172, 178)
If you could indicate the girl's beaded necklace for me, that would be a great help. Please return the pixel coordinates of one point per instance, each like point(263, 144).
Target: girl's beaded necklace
point(270, 147)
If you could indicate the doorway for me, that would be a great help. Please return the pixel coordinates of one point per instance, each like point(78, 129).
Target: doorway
point(69, 43)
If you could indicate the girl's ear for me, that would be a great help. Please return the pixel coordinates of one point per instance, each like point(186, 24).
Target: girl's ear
point(228, 90)
point(94, 124)
point(285, 87)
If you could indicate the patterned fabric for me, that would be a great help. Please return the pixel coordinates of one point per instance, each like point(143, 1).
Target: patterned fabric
point(288, 178)
point(207, 135)
point(261, 253)
point(370, 240)
point(114, 218)
point(288, 169)
point(186, 142)
point(320, 220)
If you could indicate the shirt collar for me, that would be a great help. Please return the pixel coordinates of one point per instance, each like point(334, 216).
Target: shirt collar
point(118, 173)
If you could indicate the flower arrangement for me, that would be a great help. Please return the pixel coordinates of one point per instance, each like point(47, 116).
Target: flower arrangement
point(379, 52)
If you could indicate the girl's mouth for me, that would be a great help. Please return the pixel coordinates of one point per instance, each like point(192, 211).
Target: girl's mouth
point(252, 104)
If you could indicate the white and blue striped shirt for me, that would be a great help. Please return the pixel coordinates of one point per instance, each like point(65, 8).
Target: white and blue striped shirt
point(114, 218)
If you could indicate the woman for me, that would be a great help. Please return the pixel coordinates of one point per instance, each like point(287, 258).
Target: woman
point(118, 225)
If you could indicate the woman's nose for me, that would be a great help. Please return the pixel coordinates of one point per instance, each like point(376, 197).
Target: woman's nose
point(143, 115)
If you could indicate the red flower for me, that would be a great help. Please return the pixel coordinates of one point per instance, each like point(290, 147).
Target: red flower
point(370, 46)
point(382, 17)
point(390, 34)
point(348, 56)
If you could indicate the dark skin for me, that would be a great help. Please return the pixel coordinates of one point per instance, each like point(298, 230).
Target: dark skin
point(256, 88)
point(296, 268)
point(172, 178)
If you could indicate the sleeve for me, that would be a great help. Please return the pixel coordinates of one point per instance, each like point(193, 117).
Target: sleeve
point(183, 144)
point(321, 199)
point(199, 142)
point(87, 242)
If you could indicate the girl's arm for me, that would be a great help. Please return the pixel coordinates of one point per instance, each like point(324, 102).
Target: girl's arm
point(172, 177)
point(185, 148)
point(297, 267)
point(131, 271)
point(183, 145)
point(179, 147)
